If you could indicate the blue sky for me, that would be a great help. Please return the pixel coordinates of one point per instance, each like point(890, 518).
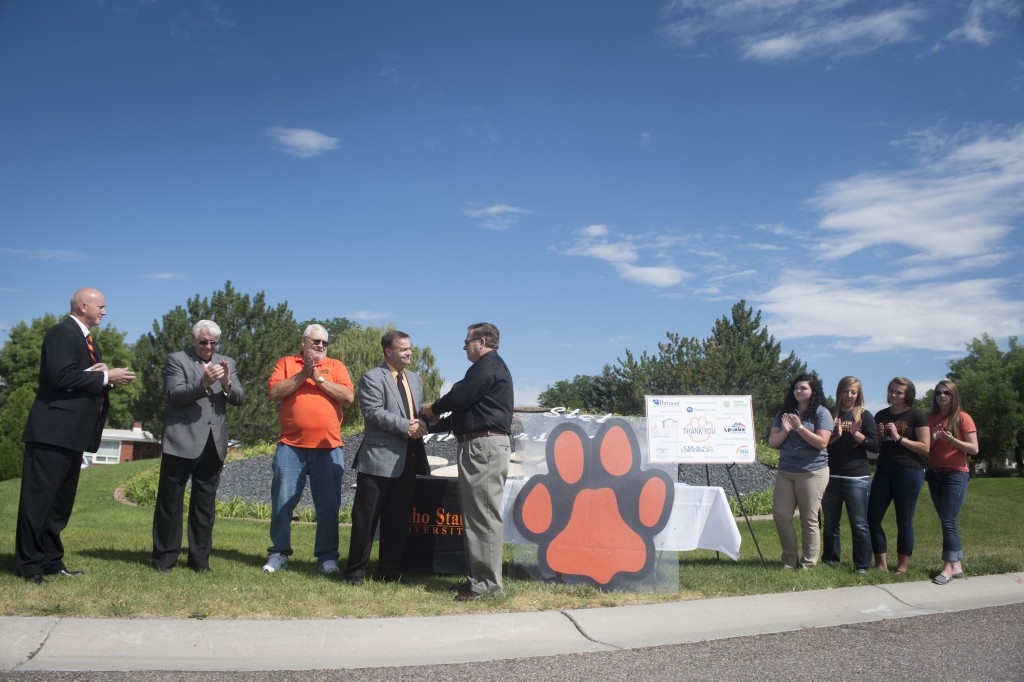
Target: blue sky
point(586, 175)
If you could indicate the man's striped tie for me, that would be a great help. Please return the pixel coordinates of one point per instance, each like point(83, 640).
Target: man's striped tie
point(92, 349)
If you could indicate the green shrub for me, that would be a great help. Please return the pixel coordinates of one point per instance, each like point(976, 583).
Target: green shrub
point(257, 449)
point(262, 511)
point(141, 488)
point(756, 504)
point(767, 455)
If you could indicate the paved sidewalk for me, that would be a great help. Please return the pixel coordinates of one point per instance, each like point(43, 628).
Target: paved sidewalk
point(90, 644)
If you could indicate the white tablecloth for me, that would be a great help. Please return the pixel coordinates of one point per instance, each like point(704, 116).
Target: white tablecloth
point(700, 518)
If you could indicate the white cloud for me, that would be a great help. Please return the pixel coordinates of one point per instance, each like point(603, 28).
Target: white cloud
point(497, 217)
point(931, 239)
point(477, 126)
point(301, 142)
point(785, 30)
point(163, 276)
point(596, 241)
point(655, 276)
point(197, 18)
point(47, 254)
point(869, 316)
point(957, 207)
point(370, 315)
point(986, 21)
point(837, 36)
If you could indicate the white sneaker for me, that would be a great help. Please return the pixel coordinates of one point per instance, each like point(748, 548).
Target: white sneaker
point(329, 567)
point(275, 562)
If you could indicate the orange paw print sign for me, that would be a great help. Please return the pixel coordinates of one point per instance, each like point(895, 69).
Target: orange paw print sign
point(594, 515)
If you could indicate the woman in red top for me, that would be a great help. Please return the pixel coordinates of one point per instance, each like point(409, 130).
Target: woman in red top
point(954, 438)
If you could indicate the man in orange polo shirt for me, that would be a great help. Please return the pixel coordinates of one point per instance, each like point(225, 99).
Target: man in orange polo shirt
point(312, 389)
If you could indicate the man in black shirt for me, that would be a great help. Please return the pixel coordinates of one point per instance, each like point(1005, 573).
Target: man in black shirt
point(481, 419)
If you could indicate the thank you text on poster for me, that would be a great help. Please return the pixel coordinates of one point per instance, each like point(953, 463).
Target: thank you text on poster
point(700, 429)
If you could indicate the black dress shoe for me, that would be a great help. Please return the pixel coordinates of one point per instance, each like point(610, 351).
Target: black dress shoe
point(36, 579)
point(355, 582)
point(467, 596)
point(63, 571)
point(201, 569)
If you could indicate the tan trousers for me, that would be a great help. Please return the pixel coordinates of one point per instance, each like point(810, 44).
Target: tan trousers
point(483, 467)
point(802, 490)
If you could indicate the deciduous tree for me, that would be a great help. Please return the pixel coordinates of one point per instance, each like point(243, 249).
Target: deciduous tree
point(991, 384)
point(359, 348)
point(20, 357)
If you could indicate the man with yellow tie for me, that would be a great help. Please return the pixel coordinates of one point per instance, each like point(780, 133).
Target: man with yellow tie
point(388, 459)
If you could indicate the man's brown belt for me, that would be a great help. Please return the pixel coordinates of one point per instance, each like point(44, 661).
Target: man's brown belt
point(478, 434)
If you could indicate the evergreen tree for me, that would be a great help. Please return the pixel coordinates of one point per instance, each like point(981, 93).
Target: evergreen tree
point(254, 333)
point(13, 416)
point(739, 358)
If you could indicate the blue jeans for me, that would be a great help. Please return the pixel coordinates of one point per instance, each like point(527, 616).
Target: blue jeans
point(854, 493)
point(291, 467)
point(901, 487)
point(949, 489)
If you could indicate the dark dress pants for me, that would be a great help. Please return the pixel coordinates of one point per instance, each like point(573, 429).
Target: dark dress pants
point(387, 500)
point(170, 496)
point(49, 483)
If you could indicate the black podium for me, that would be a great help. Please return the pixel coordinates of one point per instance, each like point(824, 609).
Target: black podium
point(434, 542)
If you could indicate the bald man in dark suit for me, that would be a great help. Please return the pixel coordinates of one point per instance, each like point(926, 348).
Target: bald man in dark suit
point(66, 420)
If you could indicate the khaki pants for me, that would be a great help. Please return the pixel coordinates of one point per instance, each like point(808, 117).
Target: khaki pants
point(483, 467)
point(801, 490)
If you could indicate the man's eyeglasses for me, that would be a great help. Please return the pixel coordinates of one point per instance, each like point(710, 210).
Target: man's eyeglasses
point(209, 344)
point(943, 392)
point(469, 341)
point(318, 342)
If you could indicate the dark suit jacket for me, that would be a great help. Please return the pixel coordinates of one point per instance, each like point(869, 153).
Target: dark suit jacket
point(385, 443)
point(71, 404)
point(193, 412)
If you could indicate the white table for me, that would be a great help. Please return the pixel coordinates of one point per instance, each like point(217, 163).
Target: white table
point(700, 518)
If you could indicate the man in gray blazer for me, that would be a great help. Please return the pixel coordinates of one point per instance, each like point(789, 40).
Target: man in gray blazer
point(198, 383)
point(388, 459)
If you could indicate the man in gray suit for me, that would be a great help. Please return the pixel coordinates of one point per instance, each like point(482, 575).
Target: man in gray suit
point(388, 459)
point(198, 383)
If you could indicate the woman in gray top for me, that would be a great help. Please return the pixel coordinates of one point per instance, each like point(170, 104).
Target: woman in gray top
point(801, 432)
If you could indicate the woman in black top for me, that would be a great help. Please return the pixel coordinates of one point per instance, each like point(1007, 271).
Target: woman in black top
point(855, 434)
point(900, 472)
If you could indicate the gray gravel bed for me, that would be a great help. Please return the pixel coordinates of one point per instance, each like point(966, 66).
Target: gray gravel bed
point(250, 479)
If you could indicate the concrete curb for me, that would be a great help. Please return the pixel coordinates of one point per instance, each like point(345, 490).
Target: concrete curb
point(241, 645)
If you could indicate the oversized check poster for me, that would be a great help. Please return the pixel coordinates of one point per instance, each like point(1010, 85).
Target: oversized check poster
point(700, 429)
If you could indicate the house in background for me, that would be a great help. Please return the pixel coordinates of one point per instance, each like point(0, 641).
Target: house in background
point(124, 445)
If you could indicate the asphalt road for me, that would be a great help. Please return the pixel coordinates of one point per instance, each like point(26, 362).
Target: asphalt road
point(980, 644)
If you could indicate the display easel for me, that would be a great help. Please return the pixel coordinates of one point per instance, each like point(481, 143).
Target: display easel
point(739, 500)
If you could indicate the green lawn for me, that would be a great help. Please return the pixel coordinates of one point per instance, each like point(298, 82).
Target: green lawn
point(111, 542)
